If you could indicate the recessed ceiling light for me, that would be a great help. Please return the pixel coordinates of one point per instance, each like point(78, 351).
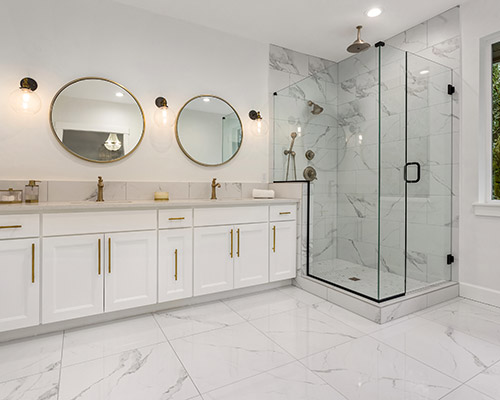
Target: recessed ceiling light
point(424, 72)
point(374, 12)
point(206, 99)
point(119, 94)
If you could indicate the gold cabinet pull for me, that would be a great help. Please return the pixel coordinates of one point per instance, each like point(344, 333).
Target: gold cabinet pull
point(285, 212)
point(33, 263)
point(231, 252)
point(176, 218)
point(99, 255)
point(274, 238)
point(109, 255)
point(11, 226)
point(175, 276)
point(238, 248)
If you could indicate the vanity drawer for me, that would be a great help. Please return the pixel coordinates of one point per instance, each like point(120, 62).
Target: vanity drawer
point(230, 216)
point(286, 212)
point(182, 218)
point(19, 226)
point(98, 222)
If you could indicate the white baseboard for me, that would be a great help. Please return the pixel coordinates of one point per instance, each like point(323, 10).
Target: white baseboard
point(481, 294)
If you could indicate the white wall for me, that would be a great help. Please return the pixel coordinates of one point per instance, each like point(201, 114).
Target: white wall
point(479, 236)
point(152, 56)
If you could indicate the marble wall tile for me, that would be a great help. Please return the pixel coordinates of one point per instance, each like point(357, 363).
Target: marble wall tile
point(85, 191)
point(199, 190)
point(412, 40)
point(283, 59)
point(145, 190)
point(444, 26)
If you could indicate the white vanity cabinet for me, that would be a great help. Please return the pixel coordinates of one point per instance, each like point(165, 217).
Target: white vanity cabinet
point(283, 233)
point(86, 274)
point(230, 256)
point(175, 264)
point(19, 283)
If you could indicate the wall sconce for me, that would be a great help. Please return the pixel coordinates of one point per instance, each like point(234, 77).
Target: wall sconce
point(163, 116)
point(24, 100)
point(259, 126)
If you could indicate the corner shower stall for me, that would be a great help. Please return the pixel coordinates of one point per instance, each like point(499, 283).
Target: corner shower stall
point(372, 136)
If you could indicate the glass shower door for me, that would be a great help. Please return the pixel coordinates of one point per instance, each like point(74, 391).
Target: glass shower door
point(428, 172)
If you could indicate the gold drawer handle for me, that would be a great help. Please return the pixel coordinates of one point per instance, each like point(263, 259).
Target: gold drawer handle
point(176, 219)
point(175, 264)
point(99, 255)
point(238, 248)
point(33, 263)
point(11, 226)
point(231, 252)
point(109, 255)
point(285, 212)
point(274, 238)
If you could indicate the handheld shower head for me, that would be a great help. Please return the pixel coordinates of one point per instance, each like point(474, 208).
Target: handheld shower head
point(358, 45)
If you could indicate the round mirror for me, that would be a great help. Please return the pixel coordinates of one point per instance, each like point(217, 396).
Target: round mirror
point(97, 119)
point(209, 130)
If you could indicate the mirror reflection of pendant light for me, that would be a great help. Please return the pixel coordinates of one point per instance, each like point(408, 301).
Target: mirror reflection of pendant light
point(259, 126)
point(24, 100)
point(112, 143)
point(163, 117)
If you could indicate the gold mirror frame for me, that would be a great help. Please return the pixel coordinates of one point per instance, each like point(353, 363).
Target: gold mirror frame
point(99, 79)
point(179, 141)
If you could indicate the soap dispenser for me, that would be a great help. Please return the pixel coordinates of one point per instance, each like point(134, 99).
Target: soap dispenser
point(31, 192)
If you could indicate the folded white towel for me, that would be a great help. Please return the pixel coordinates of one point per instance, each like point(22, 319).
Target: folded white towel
point(263, 194)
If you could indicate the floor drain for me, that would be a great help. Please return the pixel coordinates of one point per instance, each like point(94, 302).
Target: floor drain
point(354, 279)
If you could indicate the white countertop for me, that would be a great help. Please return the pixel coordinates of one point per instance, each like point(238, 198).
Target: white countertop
point(137, 204)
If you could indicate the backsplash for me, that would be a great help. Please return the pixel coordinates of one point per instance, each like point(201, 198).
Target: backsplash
point(57, 191)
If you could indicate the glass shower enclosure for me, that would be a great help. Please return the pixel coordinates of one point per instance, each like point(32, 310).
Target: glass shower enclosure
point(372, 135)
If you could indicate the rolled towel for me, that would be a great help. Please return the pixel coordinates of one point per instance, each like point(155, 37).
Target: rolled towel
point(263, 194)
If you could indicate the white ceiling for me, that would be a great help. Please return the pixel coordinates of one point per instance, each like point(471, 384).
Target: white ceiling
point(322, 28)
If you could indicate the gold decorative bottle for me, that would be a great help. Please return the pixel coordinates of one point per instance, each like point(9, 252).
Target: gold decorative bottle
point(31, 192)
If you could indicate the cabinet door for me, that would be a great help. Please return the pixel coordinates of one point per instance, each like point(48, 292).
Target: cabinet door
point(283, 258)
point(213, 259)
point(131, 270)
point(73, 270)
point(19, 284)
point(175, 264)
point(251, 262)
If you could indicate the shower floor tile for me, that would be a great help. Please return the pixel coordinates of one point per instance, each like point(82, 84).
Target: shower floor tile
point(363, 279)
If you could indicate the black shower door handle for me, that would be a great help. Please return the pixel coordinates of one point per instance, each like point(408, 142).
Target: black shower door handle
point(406, 172)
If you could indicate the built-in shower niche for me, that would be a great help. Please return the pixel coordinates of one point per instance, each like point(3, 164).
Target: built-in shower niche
point(380, 209)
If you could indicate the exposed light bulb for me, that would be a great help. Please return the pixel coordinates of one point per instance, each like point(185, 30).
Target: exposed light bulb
point(299, 131)
point(374, 12)
point(259, 126)
point(163, 115)
point(25, 101)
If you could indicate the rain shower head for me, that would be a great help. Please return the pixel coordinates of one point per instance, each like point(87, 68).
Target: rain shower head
point(316, 110)
point(358, 45)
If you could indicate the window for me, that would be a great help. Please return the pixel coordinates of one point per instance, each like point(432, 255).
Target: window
point(495, 139)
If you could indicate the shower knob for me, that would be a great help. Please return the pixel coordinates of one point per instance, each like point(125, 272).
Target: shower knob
point(310, 174)
point(310, 154)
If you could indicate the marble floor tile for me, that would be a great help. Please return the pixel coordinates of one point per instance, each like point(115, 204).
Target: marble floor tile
point(290, 382)
point(263, 304)
point(452, 352)
point(301, 295)
point(191, 320)
point(356, 321)
point(466, 393)
point(305, 331)
point(152, 373)
point(97, 341)
point(29, 357)
point(488, 382)
point(476, 319)
point(365, 369)
point(34, 387)
point(224, 356)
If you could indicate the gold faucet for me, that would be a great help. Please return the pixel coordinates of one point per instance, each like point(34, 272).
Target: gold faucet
point(100, 189)
point(214, 186)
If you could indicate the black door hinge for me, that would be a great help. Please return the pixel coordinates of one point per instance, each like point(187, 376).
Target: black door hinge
point(451, 89)
point(450, 259)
